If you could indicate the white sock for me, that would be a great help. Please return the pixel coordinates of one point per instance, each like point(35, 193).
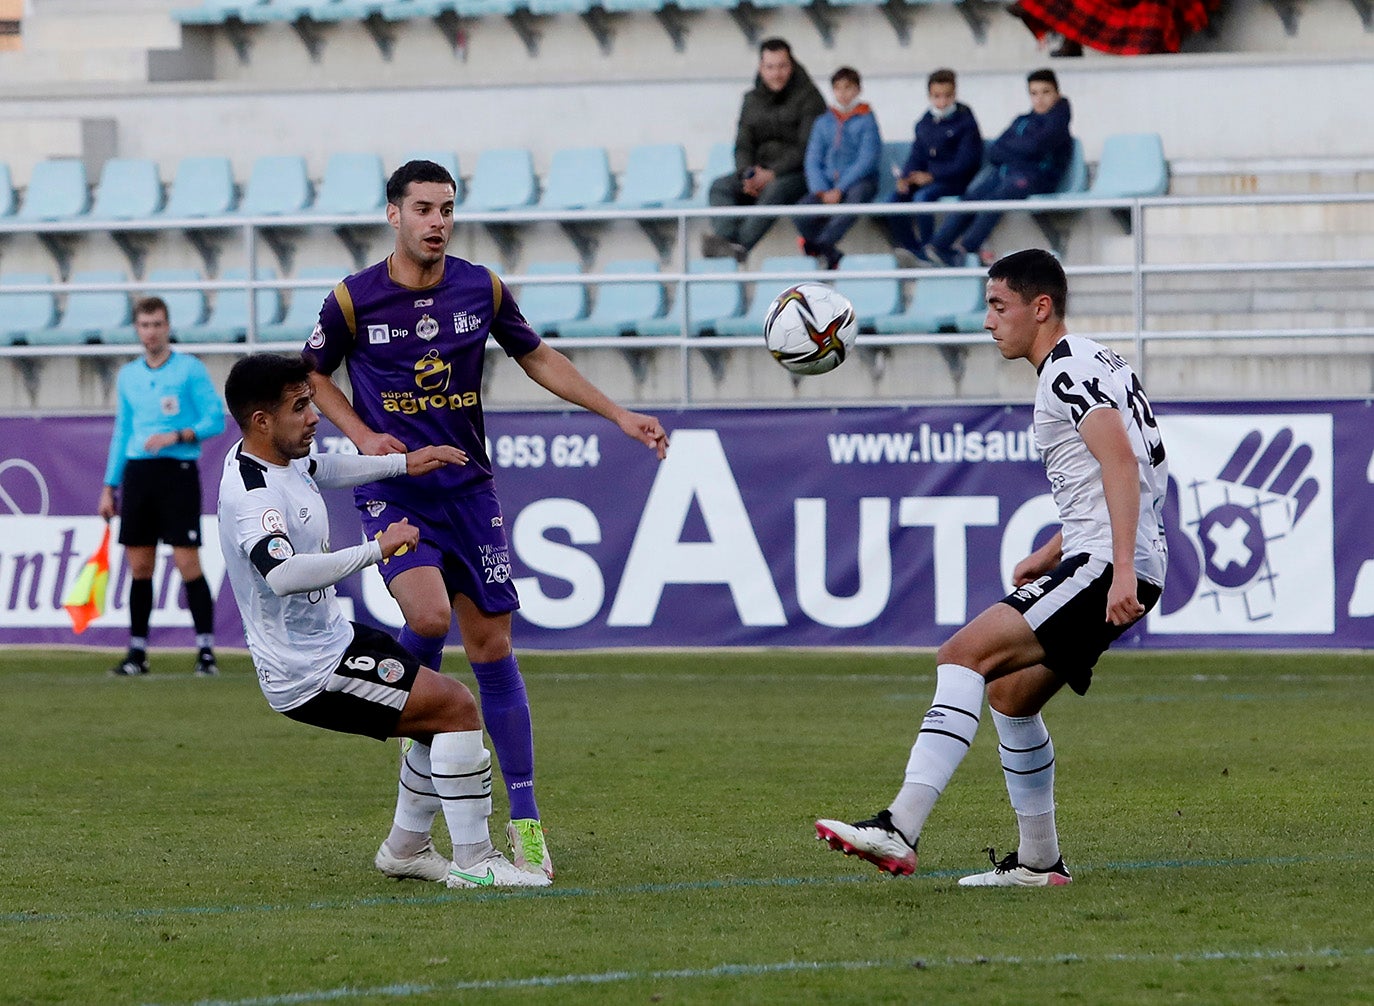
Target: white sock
point(416, 802)
point(1027, 754)
point(461, 772)
point(947, 731)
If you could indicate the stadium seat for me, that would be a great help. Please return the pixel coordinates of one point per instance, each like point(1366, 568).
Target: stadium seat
point(228, 321)
point(185, 308)
point(278, 186)
point(751, 322)
point(1132, 164)
point(578, 178)
point(893, 159)
point(503, 180)
point(719, 161)
point(57, 191)
point(548, 305)
point(936, 304)
point(303, 311)
point(352, 183)
point(8, 202)
point(278, 10)
point(1075, 180)
point(708, 302)
point(633, 6)
point(202, 187)
point(129, 189)
point(558, 6)
point(872, 298)
point(23, 314)
point(485, 8)
point(90, 316)
point(213, 11)
point(620, 308)
point(655, 175)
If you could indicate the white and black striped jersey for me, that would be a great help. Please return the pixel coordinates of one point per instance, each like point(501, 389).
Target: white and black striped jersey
point(268, 515)
point(1078, 377)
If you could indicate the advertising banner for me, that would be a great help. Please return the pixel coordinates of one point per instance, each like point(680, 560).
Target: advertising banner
point(786, 527)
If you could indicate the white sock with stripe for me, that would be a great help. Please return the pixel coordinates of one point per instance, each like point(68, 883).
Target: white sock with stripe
point(947, 731)
point(460, 767)
point(1028, 765)
point(416, 802)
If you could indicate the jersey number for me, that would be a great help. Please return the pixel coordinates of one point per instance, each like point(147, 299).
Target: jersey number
point(1141, 412)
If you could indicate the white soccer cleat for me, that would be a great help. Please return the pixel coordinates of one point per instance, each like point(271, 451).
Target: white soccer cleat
point(528, 849)
point(1010, 873)
point(424, 865)
point(875, 840)
point(495, 871)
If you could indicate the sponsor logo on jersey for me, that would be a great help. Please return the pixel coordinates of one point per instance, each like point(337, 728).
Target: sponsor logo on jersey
point(425, 302)
point(432, 373)
point(391, 670)
point(498, 521)
point(273, 522)
point(375, 507)
point(426, 328)
point(465, 322)
point(305, 515)
point(378, 335)
point(280, 549)
point(316, 340)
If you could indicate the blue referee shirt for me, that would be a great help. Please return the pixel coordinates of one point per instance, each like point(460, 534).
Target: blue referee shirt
point(175, 396)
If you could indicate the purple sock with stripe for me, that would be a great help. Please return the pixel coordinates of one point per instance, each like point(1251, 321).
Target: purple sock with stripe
point(506, 714)
point(428, 650)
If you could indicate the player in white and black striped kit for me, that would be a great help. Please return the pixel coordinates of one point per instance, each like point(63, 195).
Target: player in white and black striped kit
point(313, 664)
point(1074, 596)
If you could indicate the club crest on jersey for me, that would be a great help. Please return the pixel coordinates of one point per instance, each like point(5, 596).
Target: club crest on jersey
point(465, 322)
point(426, 328)
point(390, 670)
point(498, 521)
point(375, 507)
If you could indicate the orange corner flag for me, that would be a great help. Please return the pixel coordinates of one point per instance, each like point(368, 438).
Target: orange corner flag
point(85, 601)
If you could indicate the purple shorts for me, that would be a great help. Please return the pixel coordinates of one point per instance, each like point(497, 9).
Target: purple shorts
point(464, 537)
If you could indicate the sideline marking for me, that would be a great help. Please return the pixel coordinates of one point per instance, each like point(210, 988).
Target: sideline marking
point(404, 990)
point(675, 887)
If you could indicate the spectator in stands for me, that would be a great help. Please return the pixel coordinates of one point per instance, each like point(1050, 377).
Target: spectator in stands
point(166, 408)
point(946, 153)
point(1030, 157)
point(770, 144)
point(842, 161)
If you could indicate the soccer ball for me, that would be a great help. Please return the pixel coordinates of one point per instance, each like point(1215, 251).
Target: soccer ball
point(810, 328)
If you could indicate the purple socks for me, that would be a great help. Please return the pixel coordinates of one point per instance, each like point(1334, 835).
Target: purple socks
point(428, 651)
point(506, 713)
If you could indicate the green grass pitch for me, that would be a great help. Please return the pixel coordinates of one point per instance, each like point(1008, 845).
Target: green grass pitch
point(170, 840)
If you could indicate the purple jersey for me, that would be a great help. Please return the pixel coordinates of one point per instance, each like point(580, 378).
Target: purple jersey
point(415, 361)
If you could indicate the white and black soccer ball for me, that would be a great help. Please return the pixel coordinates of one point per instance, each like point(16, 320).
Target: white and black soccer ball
point(810, 328)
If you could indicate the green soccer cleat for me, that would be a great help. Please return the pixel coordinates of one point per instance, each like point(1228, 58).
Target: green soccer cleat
point(528, 850)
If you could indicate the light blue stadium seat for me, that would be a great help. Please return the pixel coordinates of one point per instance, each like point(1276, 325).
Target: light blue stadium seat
point(89, 314)
point(1075, 180)
point(57, 191)
point(893, 159)
point(8, 202)
point(578, 178)
point(503, 180)
point(548, 305)
point(655, 175)
point(213, 11)
point(620, 307)
point(277, 10)
point(633, 6)
point(872, 298)
point(400, 10)
point(352, 183)
point(185, 308)
point(278, 186)
point(23, 314)
point(129, 189)
point(488, 8)
point(1132, 164)
point(228, 321)
point(708, 302)
point(446, 159)
point(303, 311)
point(936, 304)
point(765, 291)
point(202, 187)
point(558, 6)
point(719, 161)
point(708, 4)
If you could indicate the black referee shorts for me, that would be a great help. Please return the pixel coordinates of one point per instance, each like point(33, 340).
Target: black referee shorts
point(160, 501)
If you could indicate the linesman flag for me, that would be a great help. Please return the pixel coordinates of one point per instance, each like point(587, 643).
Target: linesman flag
point(85, 601)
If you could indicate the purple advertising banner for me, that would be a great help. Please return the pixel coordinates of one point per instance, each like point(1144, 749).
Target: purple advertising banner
point(788, 527)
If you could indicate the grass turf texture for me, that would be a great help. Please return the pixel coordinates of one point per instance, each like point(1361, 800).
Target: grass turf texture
point(170, 840)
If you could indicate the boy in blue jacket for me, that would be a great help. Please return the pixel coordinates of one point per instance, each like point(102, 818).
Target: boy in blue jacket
point(842, 159)
point(1030, 157)
point(946, 153)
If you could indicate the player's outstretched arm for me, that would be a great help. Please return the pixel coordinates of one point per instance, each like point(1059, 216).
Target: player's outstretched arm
point(1104, 433)
point(335, 406)
point(553, 371)
point(1039, 562)
point(428, 459)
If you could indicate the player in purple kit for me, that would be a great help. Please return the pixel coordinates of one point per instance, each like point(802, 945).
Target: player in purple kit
point(412, 330)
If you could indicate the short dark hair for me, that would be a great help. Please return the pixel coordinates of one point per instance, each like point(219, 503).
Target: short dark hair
point(151, 305)
point(1031, 273)
point(415, 171)
point(775, 44)
point(944, 75)
point(846, 73)
point(1045, 75)
point(257, 382)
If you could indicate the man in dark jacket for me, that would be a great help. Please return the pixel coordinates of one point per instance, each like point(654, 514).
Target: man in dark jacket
point(770, 145)
point(1030, 157)
point(946, 153)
